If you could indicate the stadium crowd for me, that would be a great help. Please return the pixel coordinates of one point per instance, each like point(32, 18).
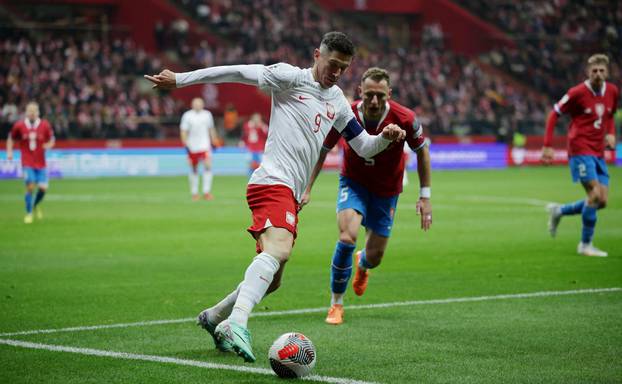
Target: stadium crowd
point(86, 87)
point(553, 34)
point(89, 87)
point(450, 92)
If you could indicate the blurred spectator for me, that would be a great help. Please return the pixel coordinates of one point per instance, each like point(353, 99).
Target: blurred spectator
point(254, 136)
point(86, 87)
point(230, 121)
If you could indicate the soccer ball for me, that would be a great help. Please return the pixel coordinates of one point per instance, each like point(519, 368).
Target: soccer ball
point(292, 355)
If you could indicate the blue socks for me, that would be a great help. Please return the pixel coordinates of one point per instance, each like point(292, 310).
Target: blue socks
point(341, 267)
point(39, 197)
point(363, 261)
point(28, 200)
point(589, 222)
point(573, 208)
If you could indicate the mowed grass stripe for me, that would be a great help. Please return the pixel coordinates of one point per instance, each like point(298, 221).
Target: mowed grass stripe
point(168, 360)
point(323, 309)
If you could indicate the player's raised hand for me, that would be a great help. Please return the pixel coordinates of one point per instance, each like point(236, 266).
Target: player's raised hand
point(393, 132)
point(163, 80)
point(547, 155)
point(424, 209)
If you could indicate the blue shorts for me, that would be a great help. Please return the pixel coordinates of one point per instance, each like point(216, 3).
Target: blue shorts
point(37, 176)
point(585, 168)
point(378, 212)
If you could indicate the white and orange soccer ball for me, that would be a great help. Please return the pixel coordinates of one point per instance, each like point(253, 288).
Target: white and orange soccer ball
point(292, 355)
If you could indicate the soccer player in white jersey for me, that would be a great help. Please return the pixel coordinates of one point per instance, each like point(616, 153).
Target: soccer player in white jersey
point(196, 129)
point(306, 104)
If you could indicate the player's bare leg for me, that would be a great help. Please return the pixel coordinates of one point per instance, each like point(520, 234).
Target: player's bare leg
point(367, 259)
point(207, 178)
point(193, 178)
point(276, 244)
point(349, 222)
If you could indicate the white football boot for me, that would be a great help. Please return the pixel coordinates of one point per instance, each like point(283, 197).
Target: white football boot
point(590, 250)
point(555, 216)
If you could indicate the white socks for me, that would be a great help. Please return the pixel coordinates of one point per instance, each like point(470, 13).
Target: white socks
point(194, 183)
point(336, 298)
point(222, 310)
point(207, 181)
point(257, 279)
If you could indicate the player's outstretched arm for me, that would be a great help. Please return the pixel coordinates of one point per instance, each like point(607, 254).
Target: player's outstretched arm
point(368, 146)
point(9, 148)
point(163, 80)
point(547, 149)
point(245, 74)
point(424, 204)
point(393, 132)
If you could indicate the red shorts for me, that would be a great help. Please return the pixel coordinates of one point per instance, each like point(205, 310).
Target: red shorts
point(272, 206)
point(195, 157)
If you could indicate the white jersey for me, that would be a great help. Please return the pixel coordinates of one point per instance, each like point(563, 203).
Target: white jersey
point(302, 115)
point(197, 126)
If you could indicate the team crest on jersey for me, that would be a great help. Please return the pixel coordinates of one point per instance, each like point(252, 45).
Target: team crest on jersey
point(290, 218)
point(600, 109)
point(330, 111)
point(587, 110)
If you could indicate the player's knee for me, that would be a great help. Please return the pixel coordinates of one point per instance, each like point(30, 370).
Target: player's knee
point(347, 237)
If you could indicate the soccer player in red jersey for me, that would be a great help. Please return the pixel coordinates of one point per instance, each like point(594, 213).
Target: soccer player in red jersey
point(254, 136)
point(369, 187)
point(591, 106)
point(34, 135)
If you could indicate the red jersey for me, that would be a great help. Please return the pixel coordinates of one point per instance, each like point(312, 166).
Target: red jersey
point(254, 136)
point(382, 174)
point(592, 117)
point(31, 138)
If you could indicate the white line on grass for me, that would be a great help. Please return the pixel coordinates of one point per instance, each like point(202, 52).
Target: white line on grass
point(322, 309)
point(168, 360)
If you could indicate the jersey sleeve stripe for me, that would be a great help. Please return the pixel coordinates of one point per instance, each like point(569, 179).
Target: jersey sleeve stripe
point(352, 129)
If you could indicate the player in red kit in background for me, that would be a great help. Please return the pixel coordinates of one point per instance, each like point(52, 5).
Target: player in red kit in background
point(591, 106)
point(34, 135)
point(369, 187)
point(254, 136)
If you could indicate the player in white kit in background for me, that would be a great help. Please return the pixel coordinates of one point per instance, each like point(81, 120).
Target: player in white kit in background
point(306, 104)
point(196, 131)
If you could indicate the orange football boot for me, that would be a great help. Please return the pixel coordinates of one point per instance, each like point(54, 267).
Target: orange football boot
point(359, 283)
point(335, 314)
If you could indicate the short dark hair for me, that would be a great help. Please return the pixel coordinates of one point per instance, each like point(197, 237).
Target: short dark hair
point(337, 41)
point(377, 75)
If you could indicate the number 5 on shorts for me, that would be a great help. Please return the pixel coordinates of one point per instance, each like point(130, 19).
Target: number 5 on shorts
point(343, 194)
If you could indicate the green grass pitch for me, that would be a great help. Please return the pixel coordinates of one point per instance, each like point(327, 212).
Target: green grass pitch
point(127, 250)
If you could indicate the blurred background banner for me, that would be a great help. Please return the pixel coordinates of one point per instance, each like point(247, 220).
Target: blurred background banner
point(473, 73)
point(85, 163)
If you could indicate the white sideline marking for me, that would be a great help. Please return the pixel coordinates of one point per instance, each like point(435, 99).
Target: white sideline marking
point(323, 309)
point(168, 360)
